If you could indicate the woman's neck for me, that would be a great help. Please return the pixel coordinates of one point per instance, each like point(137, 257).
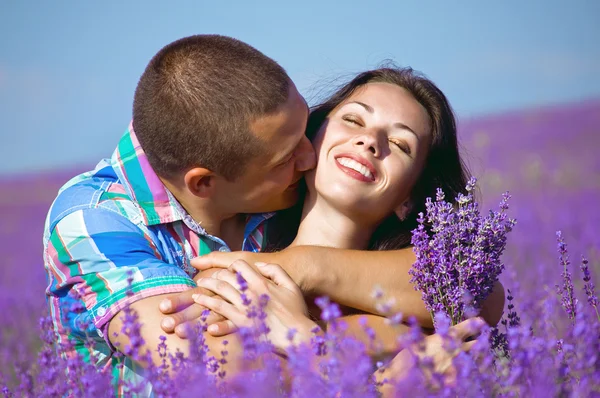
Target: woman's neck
point(324, 225)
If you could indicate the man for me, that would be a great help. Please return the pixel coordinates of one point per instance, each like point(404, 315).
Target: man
point(217, 134)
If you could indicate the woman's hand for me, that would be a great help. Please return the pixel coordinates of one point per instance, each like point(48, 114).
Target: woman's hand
point(285, 309)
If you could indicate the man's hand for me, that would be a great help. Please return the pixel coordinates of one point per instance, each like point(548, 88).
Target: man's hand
point(434, 349)
point(183, 312)
point(296, 262)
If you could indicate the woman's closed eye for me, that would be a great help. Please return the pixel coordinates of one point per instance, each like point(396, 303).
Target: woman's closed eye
point(352, 119)
point(403, 146)
point(357, 121)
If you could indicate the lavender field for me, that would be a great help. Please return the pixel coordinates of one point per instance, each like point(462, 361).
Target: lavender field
point(547, 158)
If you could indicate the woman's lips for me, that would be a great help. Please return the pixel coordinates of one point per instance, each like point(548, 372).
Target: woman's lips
point(368, 174)
point(353, 173)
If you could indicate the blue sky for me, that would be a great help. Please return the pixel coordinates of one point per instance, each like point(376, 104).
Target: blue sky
point(68, 69)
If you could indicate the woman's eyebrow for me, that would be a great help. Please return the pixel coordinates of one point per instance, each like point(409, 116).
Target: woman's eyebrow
point(398, 125)
point(368, 108)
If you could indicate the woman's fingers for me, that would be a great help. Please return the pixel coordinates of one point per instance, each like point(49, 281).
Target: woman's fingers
point(222, 307)
point(254, 279)
point(223, 289)
point(227, 276)
point(277, 274)
point(222, 328)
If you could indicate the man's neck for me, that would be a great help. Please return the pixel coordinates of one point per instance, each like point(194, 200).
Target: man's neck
point(232, 231)
point(204, 211)
point(324, 225)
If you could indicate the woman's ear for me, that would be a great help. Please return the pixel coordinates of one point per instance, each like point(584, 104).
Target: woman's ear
point(403, 210)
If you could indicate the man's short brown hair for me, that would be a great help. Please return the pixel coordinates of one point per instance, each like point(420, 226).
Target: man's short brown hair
point(196, 99)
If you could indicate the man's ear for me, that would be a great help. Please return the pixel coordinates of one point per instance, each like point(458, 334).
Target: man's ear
point(200, 182)
point(403, 210)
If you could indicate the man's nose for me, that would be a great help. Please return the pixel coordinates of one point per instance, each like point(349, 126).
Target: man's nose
point(306, 158)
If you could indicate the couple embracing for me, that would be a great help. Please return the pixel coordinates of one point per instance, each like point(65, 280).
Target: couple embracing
point(223, 170)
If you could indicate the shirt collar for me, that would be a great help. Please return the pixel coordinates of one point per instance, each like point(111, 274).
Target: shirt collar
point(131, 165)
point(157, 204)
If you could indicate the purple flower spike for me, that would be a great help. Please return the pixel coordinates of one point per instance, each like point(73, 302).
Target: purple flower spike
point(329, 311)
point(458, 253)
point(566, 291)
point(588, 286)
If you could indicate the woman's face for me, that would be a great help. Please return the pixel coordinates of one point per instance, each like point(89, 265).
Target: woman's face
point(370, 152)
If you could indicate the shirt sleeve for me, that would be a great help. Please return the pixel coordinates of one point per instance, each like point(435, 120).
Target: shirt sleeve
point(95, 252)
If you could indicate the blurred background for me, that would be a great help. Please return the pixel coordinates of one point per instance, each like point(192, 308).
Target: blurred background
point(522, 77)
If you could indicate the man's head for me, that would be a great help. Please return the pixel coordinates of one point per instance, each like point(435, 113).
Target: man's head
point(214, 116)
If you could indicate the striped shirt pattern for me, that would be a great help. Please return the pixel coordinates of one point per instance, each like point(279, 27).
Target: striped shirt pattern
point(110, 224)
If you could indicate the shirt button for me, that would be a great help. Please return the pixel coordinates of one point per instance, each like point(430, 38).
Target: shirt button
point(101, 311)
point(224, 249)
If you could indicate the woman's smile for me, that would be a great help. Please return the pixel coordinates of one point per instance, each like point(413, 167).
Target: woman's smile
point(357, 167)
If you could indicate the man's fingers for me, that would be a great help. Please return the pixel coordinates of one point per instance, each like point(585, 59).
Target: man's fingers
point(214, 260)
point(180, 301)
point(170, 322)
point(468, 328)
point(183, 329)
point(277, 274)
point(466, 347)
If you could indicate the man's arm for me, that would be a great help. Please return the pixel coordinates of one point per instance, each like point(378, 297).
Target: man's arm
point(150, 317)
point(378, 335)
point(349, 277)
point(102, 255)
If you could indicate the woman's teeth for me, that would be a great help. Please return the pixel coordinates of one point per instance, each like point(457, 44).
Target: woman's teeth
point(354, 165)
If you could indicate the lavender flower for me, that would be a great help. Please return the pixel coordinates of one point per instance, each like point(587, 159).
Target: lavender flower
point(458, 265)
point(588, 286)
point(330, 311)
point(566, 291)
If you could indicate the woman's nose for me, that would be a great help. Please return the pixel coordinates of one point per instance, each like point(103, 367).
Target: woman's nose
point(368, 142)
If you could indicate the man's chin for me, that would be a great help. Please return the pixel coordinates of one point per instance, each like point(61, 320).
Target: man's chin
point(285, 201)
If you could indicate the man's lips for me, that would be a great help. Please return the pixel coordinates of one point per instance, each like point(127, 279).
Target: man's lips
point(295, 184)
point(353, 173)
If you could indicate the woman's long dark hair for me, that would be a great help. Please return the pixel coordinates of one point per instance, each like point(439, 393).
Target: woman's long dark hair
point(443, 167)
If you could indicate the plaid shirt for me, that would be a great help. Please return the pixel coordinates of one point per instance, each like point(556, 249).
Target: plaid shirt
point(115, 221)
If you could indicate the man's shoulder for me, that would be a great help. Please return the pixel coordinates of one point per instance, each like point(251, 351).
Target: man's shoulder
point(96, 189)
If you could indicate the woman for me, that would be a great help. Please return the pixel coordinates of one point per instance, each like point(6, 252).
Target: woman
point(408, 134)
point(384, 143)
